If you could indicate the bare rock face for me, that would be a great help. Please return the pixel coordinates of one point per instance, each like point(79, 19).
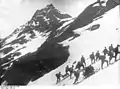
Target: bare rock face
point(112, 3)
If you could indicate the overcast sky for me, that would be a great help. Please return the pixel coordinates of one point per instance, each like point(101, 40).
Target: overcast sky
point(14, 13)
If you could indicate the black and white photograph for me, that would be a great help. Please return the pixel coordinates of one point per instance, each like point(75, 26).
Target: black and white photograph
point(59, 42)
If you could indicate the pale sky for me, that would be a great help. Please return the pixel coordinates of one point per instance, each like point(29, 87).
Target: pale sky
point(14, 13)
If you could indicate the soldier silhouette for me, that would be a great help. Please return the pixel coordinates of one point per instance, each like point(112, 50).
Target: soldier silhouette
point(58, 75)
point(97, 55)
point(116, 50)
point(92, 57)
point(111, 48)
point(105, 51)
point(83, 60)
point(66, 70)
point(76, 74)
point(71, 70)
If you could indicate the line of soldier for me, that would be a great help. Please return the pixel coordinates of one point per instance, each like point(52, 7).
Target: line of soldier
point(111, 52)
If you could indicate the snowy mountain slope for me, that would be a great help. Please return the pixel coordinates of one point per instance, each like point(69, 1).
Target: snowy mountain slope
point(50, 39)
point(26, 40)
point(91, 41)
point(110, 76)
point(30, 31)
point(87, 43)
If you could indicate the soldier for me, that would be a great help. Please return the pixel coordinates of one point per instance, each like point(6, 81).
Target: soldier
point(92, 57)
point(116, 50)
point(111, 48)
point(58, 75)
point(76, 74)
point(103, 60)
point(105, 51)
point(66, 70)
point(79, 65)
point(83, 60)
point(97, 55)
point(110, 54)
point(71, 71)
